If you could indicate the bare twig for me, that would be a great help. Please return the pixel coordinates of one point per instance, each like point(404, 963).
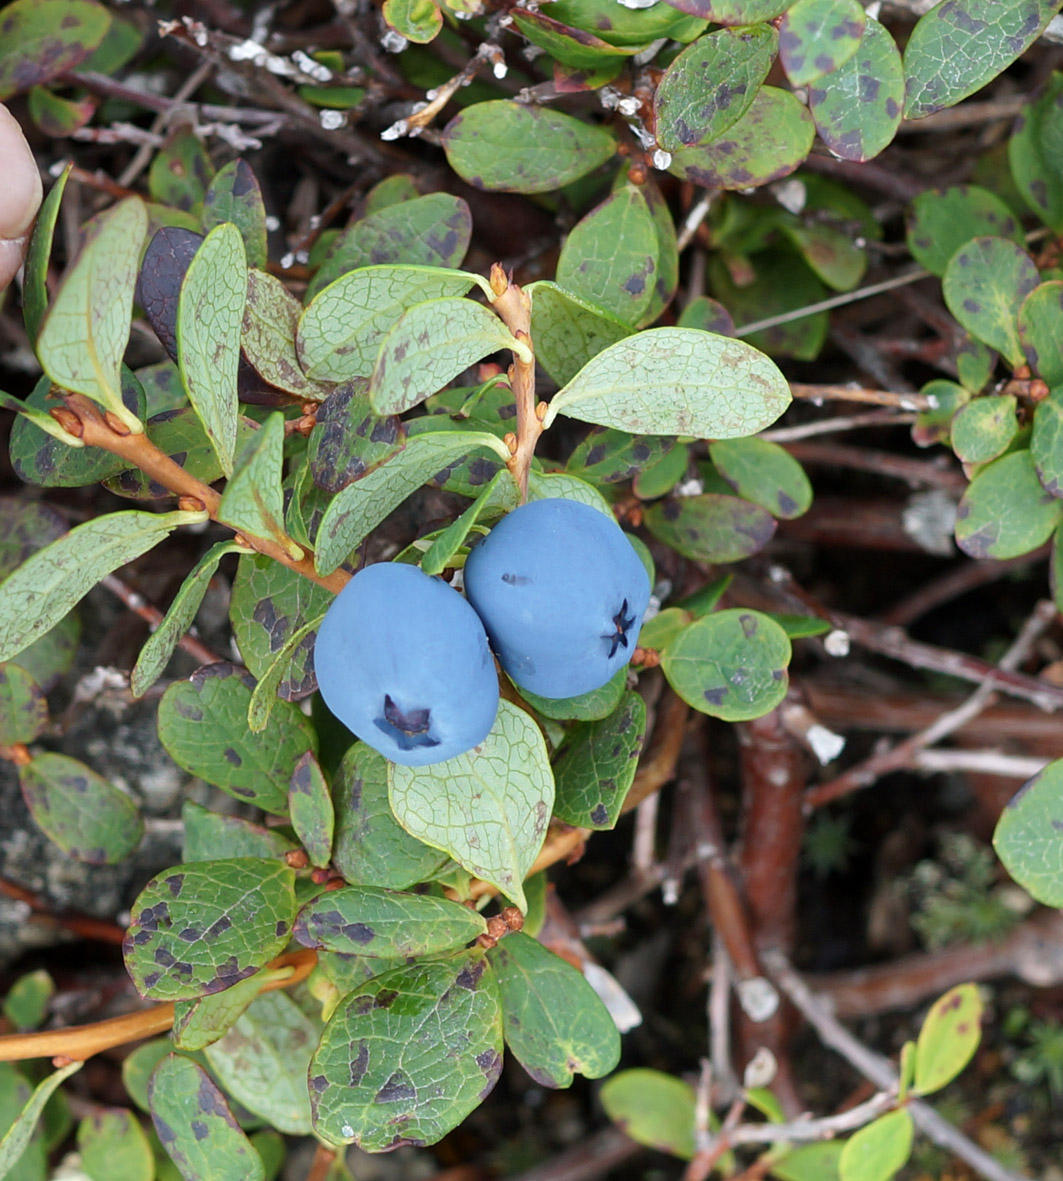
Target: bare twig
point(901, 754)
point(153, 617)
point(841, 422)
point(845, 393)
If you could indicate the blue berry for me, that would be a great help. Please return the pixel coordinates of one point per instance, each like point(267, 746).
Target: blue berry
point(562, 594)
point(402, 660)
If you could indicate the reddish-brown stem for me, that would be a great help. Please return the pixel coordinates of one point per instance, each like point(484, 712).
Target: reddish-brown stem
point(141, 453)
point(514, 309)
point(322, 1162)
point(153, 616)
point(83, 1041)
point(80, 924)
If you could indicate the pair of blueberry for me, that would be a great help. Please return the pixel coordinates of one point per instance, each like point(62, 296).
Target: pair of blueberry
point(555, 590)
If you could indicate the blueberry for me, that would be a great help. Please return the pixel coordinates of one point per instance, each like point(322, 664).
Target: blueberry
point(562, 594)
point(402, 660)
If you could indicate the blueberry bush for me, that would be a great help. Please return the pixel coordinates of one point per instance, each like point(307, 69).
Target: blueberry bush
point(478, 350)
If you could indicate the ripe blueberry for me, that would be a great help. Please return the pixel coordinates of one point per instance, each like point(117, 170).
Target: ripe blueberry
point(402, 660)
point(562, 594)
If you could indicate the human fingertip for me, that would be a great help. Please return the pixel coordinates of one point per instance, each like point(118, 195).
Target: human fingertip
point(21, 192)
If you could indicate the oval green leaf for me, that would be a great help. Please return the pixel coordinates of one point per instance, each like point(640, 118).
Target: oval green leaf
point(210, 317)
point(731, 664)
point(817, 37)
point(940, 221)
point(85, 815)
point(711, 84)
point(1046, 442)
point(408, 1055)
point(984, 428)
point(1033, 153)
point(1006, 511)
point(857, 109)
point(768, 142)
point(568, 330)
point(488, 808)
point(1029, 836)
point(764, 473)
point(984, 285)
point(711, 527)
point(201, 927)
point(196, 1127)
point(878, 1150)
point(552, 1019)
point(513, 148)
point(948, 1038)
point(959, 46)
point(1041, 330)
point(676, 381)
point(85, 332)
point(654, 1109)
point(41, 39)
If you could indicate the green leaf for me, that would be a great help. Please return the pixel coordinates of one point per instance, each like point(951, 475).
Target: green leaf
point(576, 49)
point(1029, 836)
point(1046, 442)
point(597, 766)
point(1034, 154)
point(764, 473)
point(614, 457)
point(878, 1150)
point(427, 346)
point(234, 195)
point(295, 654)
point(270, 602)
point(35, 274)
point(42, 590)
point(731, 664)
point(180, 171)
point(224, 752)
point(27, 1001)
point(676, 381)
point(210, 315)
point(956, 48)
point(179, 618)
point(210, 836)
point(31, 1163)
point(196, 1127)
point(666, 281)
point(408, 1055)
point(270, 324)
point(809, 1162)
point(23, 707)
point(262, 1061)
point(984, 428)
point(940, 221)
point(711, 527)
point(348, 438)
point(933, 426)
point(271, 1148)
point(201, 927)
point(113, 1147)
point(653, 1108)
point(199, 1022)
point(253, 500)
point(386, 924)
point(829, 251)
point(975, 362)
point(310, 807)
point(85, 331)
point(416, 20)
point(1040, 330)
point(568, 331)
point(357, 509)
point(948, 1038)
point(984, 285)
point(817, 37)
point(431, 231)
point(711, 84)
point(857, 108)
point(180, 435)
point(370, 848)
point(42, 39)
point(768, 142)
point(587, 707)
point(342, 328)
point(512, 148)
point(610, 258)
point(1005, 511)
point(499, 496)
point(81, 812)
point(18, 1136)
point(488, 808)
point(733, 12)
point(552, 1019)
